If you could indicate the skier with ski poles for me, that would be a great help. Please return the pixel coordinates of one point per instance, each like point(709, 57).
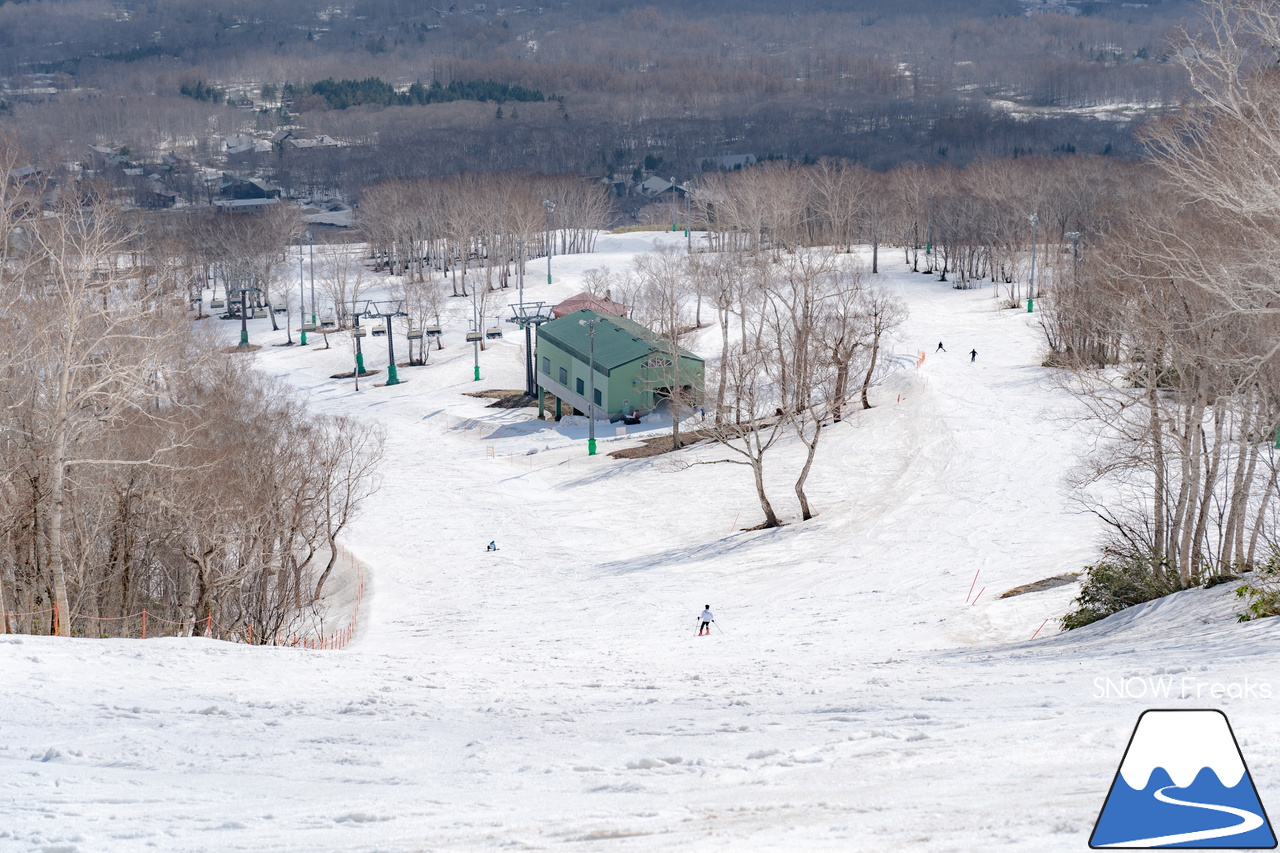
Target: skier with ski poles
point(707, 619)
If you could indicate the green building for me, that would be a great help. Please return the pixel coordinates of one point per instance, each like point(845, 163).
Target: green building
point(633, 369)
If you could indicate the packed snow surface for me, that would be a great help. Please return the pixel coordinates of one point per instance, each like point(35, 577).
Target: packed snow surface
point(866, 688)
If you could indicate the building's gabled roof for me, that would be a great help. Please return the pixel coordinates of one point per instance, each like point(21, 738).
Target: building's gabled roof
point(590, 302)
point(619, 341)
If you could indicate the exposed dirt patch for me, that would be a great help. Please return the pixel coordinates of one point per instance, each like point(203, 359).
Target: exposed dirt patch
point(505, 398)
point(659, 445)
point(1047, 583)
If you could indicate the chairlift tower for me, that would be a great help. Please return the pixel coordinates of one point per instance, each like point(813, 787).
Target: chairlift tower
point(357, 333)
point(243, 286)
point(387, 308)
point(528, 315)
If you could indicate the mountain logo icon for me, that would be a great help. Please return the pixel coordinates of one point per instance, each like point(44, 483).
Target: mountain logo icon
point(1182, 783)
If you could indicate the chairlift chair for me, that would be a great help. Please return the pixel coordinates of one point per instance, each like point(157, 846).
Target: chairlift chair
point(217, 303)
point(359, 332)
point(414, 335)
point(308, 327)
point(493, 332)
point(328, 324)
point(432, 331)
point(280, 309)
point(379, 331)
point(474, 336)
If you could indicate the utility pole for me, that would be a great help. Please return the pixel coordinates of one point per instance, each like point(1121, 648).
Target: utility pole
point(476, 331)
point(311, 243)
point(928, 230)
point(1031, 288)
point(549, 206)
point(591, 369)
point(302, 303)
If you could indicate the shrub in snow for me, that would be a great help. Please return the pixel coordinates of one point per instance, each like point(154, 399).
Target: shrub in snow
point(1117, 582)
point(1262, 591)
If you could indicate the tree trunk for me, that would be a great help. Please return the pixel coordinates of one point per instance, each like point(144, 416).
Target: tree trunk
point(871, 369)
point(805, 512)
point(1157, 463)
point(57, 567)
point(770, 517)
point(842, 385)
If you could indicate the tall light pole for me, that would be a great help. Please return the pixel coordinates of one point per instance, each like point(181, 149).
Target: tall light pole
point(1031, 289)
point(302, 303)
point(928, 229)
point(475, 325)
point(520, 268)
point(312, 244)
point(688, 221)
point(591, 369)
point(675, 209)
point(549, 206)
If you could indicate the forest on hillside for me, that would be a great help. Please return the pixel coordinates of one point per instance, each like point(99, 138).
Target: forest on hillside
point(920, 81)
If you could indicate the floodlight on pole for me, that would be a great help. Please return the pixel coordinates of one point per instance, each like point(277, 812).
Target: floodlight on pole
point(302, 303)
point(1031, 291)
point(312, 244)
point(591, 369)
point(475, 327)
point(520, 268)
point(674, 210)
point(549, 206)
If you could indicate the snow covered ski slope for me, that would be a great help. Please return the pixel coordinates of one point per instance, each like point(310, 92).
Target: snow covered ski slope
point(551, 695)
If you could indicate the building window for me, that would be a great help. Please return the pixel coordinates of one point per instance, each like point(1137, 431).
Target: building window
point(656, 361)
point(564, 376)
point(579, 385)
point(599, 401)
point(546, 365)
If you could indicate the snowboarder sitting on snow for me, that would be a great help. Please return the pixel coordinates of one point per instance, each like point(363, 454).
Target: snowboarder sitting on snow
point(492, 546)
point(707, 619)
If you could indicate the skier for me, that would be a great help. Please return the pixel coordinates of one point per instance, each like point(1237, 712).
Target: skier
point(973, 355)
point(940, 347)
point(707, 619)
point(492, 546)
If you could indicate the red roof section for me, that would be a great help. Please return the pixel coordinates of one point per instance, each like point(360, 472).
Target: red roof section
point(590, 302)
